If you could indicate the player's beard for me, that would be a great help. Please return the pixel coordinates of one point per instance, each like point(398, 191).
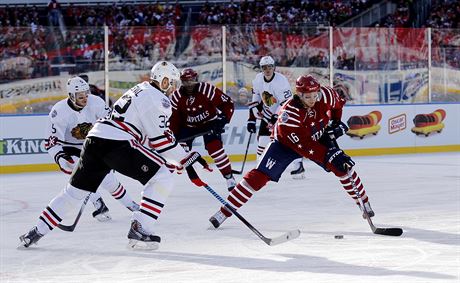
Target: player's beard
point(189, 89)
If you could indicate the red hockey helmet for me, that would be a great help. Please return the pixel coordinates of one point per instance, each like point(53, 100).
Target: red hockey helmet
point(306, 83)
point(188, 74)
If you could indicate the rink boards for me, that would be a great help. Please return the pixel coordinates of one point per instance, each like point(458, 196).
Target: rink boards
point(374, 130)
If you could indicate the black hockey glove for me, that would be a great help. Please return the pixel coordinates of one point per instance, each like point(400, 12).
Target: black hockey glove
point(218, 124)
point(339, 159)
point(193, 157)
point(273, 119)
point(337, 129)
point(251, 126)
point(191, 173)
point(65, 162)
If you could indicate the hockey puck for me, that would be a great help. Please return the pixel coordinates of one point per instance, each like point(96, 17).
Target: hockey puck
point(338, 236)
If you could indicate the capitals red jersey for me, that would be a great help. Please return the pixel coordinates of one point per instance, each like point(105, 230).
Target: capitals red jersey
point(198, 109)
point(300, 127)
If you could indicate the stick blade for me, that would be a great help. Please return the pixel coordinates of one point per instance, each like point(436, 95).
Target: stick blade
point(66, 228)
point(389, 231)
point(291, 235)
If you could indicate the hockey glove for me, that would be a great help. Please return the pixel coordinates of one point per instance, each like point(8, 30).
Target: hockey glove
point(65, 162)
point(187, 164)
point(218, 124)
point(251, 126)
point(339, 160)
point(193, 157)
point(271, 124)
point(273, 119)
point(337, 129)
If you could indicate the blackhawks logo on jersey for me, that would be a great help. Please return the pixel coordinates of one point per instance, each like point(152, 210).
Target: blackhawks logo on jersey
point(81, 130)
point(268, 98)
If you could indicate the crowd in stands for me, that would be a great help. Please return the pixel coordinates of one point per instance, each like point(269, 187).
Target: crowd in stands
point(281, 12)
point(45, 40)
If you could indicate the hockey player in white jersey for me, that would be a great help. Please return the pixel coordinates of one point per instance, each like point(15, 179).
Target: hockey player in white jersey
point(69, 121)
point(270, 90)
point(118, 142)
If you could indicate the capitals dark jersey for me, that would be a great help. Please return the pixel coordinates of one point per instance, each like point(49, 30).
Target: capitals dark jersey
point(300, 127)
point(198, 109)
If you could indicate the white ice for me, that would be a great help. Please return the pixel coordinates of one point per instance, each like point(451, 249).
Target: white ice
point(419, 193)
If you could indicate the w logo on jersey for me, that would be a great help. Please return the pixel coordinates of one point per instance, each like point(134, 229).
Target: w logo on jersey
point(270, 163)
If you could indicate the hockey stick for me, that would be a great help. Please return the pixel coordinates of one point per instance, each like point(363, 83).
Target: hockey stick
point(70, 228)
point(375, 230)
point(290, 235)
point(245, 156)
point(194, 136)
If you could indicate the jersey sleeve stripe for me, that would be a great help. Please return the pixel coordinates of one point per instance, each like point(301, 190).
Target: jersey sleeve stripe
point(293, 119)
point(125, 127)
point(162, 143)
point(213, 92)
point(292, 113)
point(288, 125)
point(150, 154)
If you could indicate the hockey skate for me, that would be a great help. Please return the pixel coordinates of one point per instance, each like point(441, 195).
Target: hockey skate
point(368, 208)
point(29, 238)
point(298, 173)
point(217, 219)
point(139, 239)
point(102, 211)
point(134, 207)
point(231, 183)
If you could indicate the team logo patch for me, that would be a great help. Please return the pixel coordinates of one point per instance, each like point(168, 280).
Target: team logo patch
point(284, 117)
point(53, 114)
point(166, 103)
point(81, 130)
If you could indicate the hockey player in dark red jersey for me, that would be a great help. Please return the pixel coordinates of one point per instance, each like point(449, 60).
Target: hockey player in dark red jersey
point(200, 107)
point(304, 128)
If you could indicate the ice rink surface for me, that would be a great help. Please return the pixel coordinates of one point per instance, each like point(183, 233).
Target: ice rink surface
point(419, 193)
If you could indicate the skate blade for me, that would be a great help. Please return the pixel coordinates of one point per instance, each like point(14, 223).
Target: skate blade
point(22, 245)
point(300, 176)
point(142, 246)
point(103, 217)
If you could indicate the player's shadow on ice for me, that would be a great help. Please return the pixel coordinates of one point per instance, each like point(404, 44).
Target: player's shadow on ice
point(293, 263)
point(424, 235)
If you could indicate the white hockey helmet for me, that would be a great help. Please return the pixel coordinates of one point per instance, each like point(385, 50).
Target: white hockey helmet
point(76, 85)
point(164, 69)
point(267, 60)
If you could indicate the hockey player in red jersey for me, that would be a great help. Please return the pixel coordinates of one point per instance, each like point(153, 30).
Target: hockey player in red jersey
point(304, 128)
point(199, 107)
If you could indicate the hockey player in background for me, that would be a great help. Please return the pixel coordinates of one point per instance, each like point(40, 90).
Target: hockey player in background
point(270, 90)
point(304, 128)
point(117, 143)
point(199, 107)
point(69, 121)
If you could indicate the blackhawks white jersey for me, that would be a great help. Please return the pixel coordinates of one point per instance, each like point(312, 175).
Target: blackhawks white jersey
point(277, 88)
point(68, 126)
point(142, 115)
